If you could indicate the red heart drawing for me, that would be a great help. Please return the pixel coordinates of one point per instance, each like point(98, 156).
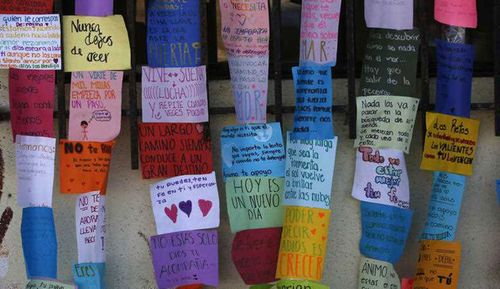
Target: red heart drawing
point(68, 165)
point(171, 213)
point(83, 183)
point(205, 206)
point(321, 215)
point(313, 231)
point(71, 180)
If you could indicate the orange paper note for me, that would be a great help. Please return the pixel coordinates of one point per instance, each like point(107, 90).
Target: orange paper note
point(84, 166)
point(438, 265)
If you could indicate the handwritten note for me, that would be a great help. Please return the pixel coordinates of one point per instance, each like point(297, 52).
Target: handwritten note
point(390, 63)
point(254, 202)
point(454, 77)
point(39, 242)
point(400, 11)
point(381, 177)
point(313, 102)
point(375, 274)
point(174, 94)
point(90, 220)
point(385, 121)
point(303, 243)
point(42, 284)
point(438, 265)
point(25, 7)
point(187, 202)
point(174, 33)
point(30, 41)
point(89, 275)
point(95, 43)
point(384, 230)
point(450, 143)
point(299, 284)
point(35, 158)
point(456, 12)
point(84, 166)
point(99, 8)
point(252, 150)
point(444, 206)
point(245, 27)
point(255, 254)
point(249, 80)
point(184, 258)
point(31, 102)
point(95, 105)
point(309, 172)
point(319, 32)
point(173, 149)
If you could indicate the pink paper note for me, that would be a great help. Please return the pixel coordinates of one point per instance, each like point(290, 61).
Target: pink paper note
point(31, 94)
point(400, 11)
point(94, 7)
point(456, 12)
point(319, 32)
point(95, 105)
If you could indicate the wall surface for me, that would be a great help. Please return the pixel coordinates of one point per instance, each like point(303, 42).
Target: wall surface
point(131, 223)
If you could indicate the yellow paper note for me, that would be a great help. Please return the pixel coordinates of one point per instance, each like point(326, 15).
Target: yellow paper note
point(95, 43)
point(303, 243)
point(438, 265)
point(450, 143)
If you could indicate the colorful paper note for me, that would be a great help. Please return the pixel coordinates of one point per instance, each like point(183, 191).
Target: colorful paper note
point(450, 143)
point(89, 275)
point(95, 105)
point(455, 63)
point(444, 206)
point(245, 27)
point(184, 258)
point(174, 94)
point(84, 166)
point(252, 150)
point(94, 7)
point(299, 284)
point(456, 12)
point(26, 7)
point(385, 121)
point(375, 274)
point(254, 202)
point(255, 254)
point(42, 284)
point(95, 43)
point(438, 265)
point(319, 29)
point(39, 240)
point(313, 102)
point(303, 243)
point(401, 14)
point(390, 63)
point(384, 230)
point(30, 41)
point(32, 102)
point(381, 177)
point(309, 172)
point(174, 33)
point(35, 158)
point(174, 149)
point(188, 202)
point(249, 81)
point(90, 220)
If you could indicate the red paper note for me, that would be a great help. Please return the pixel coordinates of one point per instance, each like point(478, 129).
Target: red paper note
point(26, 7)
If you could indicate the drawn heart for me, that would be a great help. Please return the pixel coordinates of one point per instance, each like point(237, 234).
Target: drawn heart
point(186, 207)
point(313, 231)
point(199, 128)
point(321, 215)
point(68, 166)
point(83, 183)
point(55, 60)
point(242, 18)
point(171, 213)
point(71, 180)
point(205, 206)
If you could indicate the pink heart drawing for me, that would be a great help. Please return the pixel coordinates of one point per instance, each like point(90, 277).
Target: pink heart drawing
point(205, 206)
point(199, 127)
point(242, 18)
point(171, 213)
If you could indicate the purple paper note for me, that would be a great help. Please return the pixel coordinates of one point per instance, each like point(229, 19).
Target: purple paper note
point(184, 258)
point(94, 7)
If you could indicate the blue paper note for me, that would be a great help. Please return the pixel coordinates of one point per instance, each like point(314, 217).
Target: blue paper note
point(89, 275)
point(444, 206)
point(39, 242)
point(252, 150)
point(384, 231)
point(313, 102)
point(454, 77)
point(173, 36)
